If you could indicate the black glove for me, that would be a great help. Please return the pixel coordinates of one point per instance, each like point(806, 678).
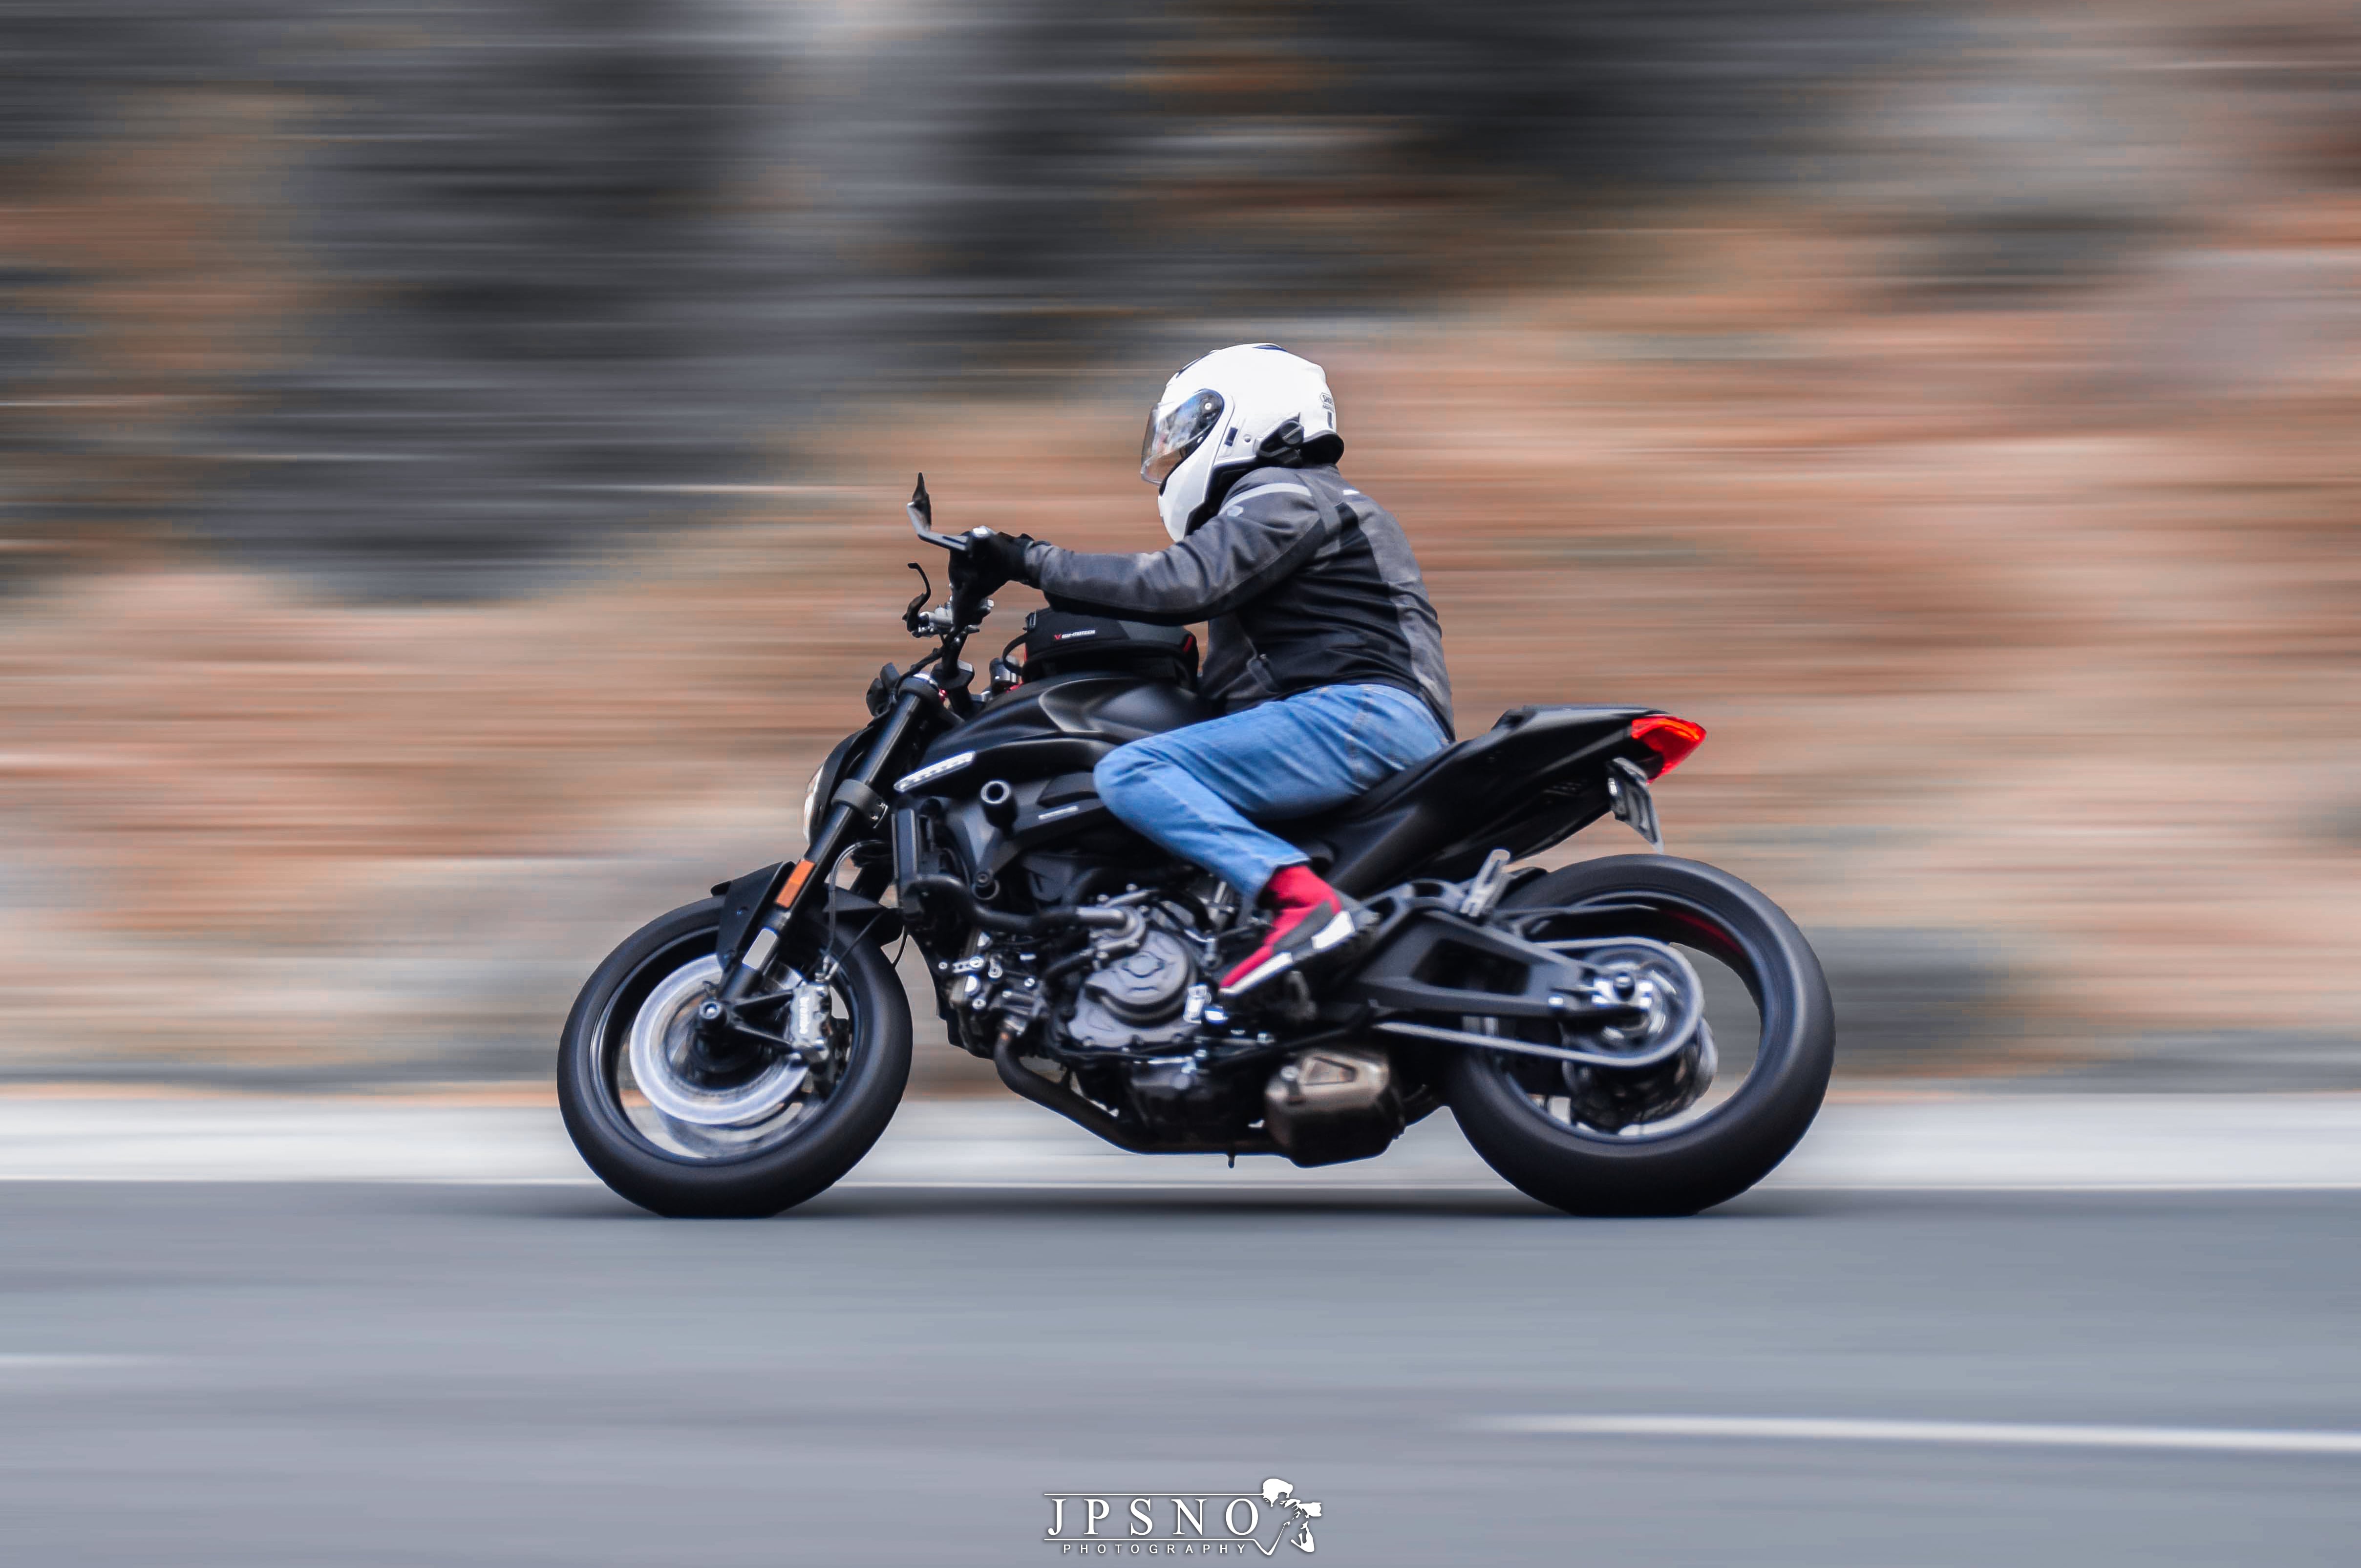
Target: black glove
point(992, 559)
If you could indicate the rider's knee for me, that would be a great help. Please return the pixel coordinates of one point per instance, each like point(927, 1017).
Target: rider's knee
point(1123, 769)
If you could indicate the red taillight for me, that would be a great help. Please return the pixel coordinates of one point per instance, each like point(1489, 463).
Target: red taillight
point(1671, 739)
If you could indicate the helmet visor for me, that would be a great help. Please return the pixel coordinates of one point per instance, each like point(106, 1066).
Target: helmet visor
point(1174, 431)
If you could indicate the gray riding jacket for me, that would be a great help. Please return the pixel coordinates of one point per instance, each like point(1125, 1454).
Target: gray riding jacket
point(1305, 582)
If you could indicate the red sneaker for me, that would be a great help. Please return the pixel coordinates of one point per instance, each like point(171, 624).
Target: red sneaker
point(1308, 918)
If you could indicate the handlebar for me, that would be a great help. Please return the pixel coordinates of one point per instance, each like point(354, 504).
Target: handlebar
point(967, 607)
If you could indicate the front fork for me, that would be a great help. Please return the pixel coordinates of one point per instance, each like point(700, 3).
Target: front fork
point(859, 802)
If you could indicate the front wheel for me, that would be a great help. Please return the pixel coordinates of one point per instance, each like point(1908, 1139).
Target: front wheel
point(1593, 1141)
point(691, 1130)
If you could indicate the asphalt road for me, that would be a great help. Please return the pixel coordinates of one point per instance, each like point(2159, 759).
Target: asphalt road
point(280, 1373)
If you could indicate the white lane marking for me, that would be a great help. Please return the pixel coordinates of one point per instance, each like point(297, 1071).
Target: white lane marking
point(2059, 1145)
point(2010, 1434)
point(21, 1362)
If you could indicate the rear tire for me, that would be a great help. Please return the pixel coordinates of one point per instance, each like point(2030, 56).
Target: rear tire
point(1719, 1157)
point(827, 1139)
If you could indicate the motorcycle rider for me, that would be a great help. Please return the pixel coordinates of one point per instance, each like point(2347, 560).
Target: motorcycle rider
point(1323, 647)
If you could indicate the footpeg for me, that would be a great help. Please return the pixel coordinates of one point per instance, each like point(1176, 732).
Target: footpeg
point(1484, 888)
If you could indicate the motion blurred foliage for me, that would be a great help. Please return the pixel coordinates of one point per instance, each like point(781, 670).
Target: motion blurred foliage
point(409, 295)
point(422, 298)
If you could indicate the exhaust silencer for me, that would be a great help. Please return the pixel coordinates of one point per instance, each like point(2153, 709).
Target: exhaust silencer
point(1332, 1103)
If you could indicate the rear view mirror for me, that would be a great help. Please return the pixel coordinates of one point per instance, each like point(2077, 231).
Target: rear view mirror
point(922, 516)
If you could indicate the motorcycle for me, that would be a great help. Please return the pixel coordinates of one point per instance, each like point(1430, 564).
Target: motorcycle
point(741, 1054)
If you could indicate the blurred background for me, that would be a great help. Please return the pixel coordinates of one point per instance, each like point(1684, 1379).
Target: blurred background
point(451, 457)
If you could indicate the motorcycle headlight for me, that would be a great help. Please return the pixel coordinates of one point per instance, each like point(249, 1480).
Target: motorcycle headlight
point(811, 802)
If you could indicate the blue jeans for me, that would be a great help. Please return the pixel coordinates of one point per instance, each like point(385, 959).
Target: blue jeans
point(1192, 790)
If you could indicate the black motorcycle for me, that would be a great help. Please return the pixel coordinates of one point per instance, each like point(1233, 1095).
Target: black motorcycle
point(741, 1054)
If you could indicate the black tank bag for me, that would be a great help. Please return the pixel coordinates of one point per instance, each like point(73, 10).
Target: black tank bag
point(1061, 642)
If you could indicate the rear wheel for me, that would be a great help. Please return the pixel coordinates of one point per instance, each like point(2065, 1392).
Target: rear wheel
point(687, 1129)
point(1668, 1138)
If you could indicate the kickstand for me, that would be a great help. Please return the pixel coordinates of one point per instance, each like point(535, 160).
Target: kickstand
point(1233, 1159)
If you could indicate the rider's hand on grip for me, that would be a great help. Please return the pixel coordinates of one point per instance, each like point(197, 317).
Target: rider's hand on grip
point(983, 567)
point(991, 561)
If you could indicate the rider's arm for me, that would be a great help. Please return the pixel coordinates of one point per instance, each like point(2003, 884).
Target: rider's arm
point(1266, 528)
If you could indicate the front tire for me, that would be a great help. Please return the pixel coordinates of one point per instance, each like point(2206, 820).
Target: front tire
point(687, 1171)
point(1697, 1163)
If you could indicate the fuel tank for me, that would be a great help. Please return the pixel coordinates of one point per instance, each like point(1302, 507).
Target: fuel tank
point(1060, 725)
point(1027, 785)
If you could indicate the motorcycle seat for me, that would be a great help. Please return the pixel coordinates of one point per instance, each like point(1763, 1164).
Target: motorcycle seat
point(1503, 786)
point(1408, 781)
point(1461, 758)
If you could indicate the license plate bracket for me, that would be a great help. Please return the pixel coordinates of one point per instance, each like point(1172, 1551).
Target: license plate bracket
point(1635, 806)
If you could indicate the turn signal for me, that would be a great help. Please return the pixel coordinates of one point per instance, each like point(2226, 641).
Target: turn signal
point(1671, 739)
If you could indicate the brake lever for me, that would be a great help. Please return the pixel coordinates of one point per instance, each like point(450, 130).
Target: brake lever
point(914, 613)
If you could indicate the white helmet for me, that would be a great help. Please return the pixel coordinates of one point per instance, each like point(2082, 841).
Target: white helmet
point(1226, 413)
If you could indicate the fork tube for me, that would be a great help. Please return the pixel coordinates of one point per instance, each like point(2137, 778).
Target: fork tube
point(807, 883)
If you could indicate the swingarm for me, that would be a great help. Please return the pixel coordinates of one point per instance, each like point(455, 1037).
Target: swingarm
point(1428, 961)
